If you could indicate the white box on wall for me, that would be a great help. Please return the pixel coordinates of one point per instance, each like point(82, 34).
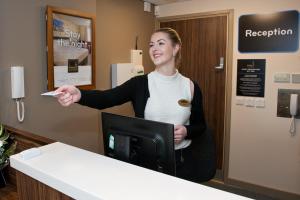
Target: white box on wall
point(121, 72)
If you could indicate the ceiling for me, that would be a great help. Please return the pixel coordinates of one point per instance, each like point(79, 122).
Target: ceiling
point(161, 2)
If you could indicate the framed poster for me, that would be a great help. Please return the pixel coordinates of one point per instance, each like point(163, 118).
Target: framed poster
point(71, 48)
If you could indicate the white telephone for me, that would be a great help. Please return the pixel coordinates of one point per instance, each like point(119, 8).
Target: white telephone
point(293, 112)
point(17, 89)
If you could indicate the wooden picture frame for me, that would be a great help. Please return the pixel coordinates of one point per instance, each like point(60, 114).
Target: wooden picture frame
point(70, 48)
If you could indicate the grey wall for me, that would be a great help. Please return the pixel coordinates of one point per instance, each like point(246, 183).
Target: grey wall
point(23, 42)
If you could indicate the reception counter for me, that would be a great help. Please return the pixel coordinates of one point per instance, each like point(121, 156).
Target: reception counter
point(67, 172)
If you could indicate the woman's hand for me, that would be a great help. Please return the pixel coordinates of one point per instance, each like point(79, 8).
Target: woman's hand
point(69, 95)
point(180, 133)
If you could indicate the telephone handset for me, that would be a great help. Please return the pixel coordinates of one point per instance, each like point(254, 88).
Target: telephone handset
point(294, 104)
point(293, 112)
point(17, 89)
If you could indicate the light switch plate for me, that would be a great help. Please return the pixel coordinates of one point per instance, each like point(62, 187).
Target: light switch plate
point(239, 100)
point(260, 102)
point(295, 78)
point(249, 102)
point(282, 78)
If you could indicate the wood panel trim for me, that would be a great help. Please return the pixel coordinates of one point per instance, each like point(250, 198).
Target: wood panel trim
point(228, 93)
point(271, 192)
point(30, 136)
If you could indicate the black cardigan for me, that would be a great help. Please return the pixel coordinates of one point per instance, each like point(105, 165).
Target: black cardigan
point(136, 90)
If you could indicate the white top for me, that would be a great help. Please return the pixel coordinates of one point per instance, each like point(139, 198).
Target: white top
point(163, 103)
point(84, 175)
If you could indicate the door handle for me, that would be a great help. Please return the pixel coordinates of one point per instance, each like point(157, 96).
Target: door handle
point(221, 65)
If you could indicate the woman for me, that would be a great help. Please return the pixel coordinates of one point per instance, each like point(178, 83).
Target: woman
point(163, 95)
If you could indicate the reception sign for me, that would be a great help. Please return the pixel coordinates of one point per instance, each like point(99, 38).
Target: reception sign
point(276, 32)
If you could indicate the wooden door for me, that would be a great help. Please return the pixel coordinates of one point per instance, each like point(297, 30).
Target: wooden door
point(203, 44)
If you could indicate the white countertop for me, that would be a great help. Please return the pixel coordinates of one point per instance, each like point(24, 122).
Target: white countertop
point(84, 175)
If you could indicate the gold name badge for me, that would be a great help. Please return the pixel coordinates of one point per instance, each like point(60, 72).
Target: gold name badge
point(184, 102)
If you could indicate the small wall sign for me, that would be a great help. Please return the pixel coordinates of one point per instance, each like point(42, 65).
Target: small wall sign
point(276, 32)
point(251, 77)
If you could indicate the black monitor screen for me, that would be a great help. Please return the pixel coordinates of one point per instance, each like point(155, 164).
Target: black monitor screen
point(145, 143)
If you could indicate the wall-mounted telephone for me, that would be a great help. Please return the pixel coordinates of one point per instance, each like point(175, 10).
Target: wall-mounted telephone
point(293, 111)
point(17, 89)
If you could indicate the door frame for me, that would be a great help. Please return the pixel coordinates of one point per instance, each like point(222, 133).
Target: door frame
point(223, 174)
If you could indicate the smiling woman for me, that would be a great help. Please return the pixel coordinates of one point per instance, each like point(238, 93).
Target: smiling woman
point(164, 95)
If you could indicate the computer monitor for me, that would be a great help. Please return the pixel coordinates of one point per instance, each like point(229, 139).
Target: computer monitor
point(145, 143)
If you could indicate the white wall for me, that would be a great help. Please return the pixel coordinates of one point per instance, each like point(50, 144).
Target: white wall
point(262, 152)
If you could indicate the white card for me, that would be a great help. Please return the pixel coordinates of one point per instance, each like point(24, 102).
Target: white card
point(51, 93)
